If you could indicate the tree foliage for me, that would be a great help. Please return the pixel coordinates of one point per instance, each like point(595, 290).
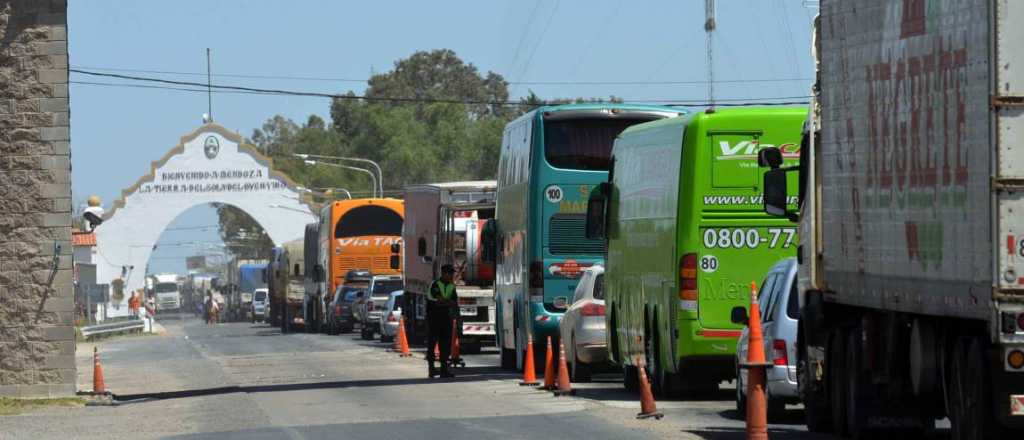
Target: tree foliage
point(446, 127)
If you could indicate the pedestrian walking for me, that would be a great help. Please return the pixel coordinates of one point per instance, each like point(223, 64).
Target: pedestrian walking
point(442, 307)
point(134, 303)
point(212, 310)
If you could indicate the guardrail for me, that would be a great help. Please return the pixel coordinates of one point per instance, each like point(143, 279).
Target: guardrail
point(124, 326)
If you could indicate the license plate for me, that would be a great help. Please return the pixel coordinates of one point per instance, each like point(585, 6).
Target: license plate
point(467, 311)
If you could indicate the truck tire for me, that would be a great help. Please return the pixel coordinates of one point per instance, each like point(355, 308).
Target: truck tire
point(856, 420)
point(836, 380)
point(816, 410)
point(971, 416)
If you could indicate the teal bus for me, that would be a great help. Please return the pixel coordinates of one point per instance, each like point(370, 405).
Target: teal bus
point(686, 234)
point(550, 159)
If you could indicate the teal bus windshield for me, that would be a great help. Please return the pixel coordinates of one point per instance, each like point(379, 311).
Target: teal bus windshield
point(550, 160)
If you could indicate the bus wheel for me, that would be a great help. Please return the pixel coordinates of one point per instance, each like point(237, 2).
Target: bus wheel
point(655, 373)
point(508, 356)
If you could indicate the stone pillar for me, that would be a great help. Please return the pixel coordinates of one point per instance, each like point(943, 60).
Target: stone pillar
point(37, 337)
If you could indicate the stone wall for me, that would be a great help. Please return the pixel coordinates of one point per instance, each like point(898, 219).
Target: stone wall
point(37, 342)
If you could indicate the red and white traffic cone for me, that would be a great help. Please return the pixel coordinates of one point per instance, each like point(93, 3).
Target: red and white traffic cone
point(98, 385)
point(648, 408)
point(549, 369)
point(757, 405)
point(564, 385)
point(529, 369)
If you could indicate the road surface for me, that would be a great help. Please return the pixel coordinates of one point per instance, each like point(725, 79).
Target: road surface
point(248, 381)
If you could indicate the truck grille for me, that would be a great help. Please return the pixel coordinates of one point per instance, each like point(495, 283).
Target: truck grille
point(567, 236)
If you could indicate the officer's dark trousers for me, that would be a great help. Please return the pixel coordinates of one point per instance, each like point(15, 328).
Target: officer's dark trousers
point(441, 334)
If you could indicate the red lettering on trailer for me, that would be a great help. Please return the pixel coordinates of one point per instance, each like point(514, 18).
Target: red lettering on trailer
point(1011, 245)
point(913, 246)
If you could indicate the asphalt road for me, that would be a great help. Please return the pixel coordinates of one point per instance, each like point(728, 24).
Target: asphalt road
point(248, 381)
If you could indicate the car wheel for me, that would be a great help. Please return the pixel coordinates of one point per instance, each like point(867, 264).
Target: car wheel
point(776, 408)
point(741, 396)
point(580, 370)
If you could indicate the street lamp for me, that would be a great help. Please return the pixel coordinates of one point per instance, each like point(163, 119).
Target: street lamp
point(274, 205)
point(373, 177)
point(322, 193)
point(380, 174)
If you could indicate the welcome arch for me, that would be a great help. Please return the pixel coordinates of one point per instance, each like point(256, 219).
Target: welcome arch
point(210, 165)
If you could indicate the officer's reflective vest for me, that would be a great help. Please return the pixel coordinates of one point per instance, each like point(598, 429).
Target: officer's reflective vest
point(446, 290)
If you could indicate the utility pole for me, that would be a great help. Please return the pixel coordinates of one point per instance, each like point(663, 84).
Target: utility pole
point(209, 87)
point(709, 30)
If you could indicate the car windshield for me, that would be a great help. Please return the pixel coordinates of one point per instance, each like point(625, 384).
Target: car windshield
point(384, 287)
point(166, 287)
point(261, 295)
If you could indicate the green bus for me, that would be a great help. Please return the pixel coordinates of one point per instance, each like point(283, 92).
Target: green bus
point(550, 159)
point(686, 234)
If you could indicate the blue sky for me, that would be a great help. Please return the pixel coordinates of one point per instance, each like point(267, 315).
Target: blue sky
point(117, 131)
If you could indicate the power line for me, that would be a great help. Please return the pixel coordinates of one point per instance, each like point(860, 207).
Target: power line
point(200, 88)
point(528, 83)
point(540, 40)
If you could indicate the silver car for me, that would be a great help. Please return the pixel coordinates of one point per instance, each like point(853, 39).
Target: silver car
point(391, 316)
point(582, 327)
point(779, 305)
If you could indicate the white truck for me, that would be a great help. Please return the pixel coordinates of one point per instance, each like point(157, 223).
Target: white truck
point(443, 223)
point(911, 213)
point(167, 294)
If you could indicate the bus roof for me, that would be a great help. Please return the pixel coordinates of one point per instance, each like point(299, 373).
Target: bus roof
point(721, 115)
point(585, 107)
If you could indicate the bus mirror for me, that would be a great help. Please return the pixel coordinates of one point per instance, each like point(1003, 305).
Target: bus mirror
point(597, 208)
point(775, 192)
point(739, 315)
point(770, 157)
point(396, 262)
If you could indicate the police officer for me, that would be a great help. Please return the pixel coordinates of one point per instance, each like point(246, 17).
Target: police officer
point(441, 301)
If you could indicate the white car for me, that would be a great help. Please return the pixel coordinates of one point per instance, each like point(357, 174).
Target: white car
point(779, 304)
point(259, 305)
point(582, 327)
point(391, 317)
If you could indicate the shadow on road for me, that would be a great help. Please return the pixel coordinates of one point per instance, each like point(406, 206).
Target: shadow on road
point(728, 433)
point(468, 374)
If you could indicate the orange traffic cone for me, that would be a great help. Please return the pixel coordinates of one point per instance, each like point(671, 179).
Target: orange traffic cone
point(403, 341)
point(529, 369)
point(757, 406)
point(549, 369)
point(648, 408)
point(98, 386)
point(564, 387)
point(456, 355)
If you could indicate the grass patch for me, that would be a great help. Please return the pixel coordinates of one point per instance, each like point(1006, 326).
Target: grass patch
point(9, 407)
